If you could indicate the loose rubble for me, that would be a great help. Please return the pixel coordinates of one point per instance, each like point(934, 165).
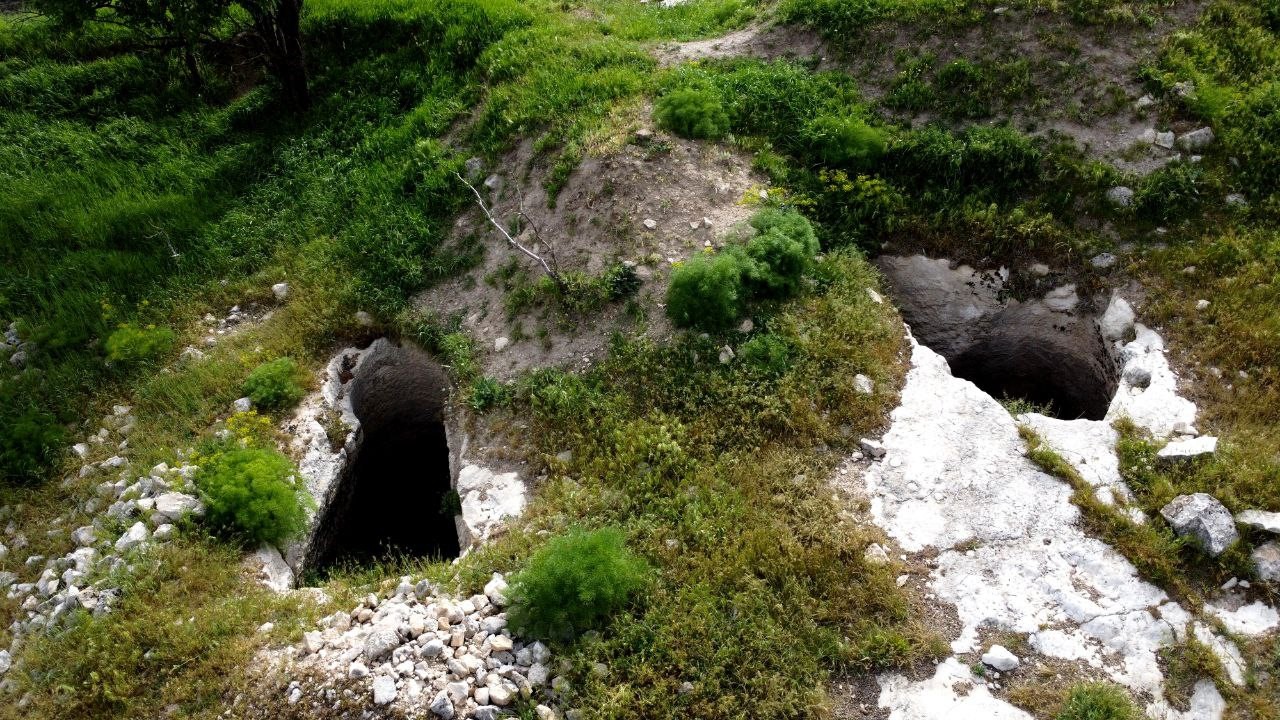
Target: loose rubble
point(423, 654)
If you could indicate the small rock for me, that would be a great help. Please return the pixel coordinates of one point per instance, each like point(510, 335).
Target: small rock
point(863, 384)
point(545, 713)
point(1260, 520)
point(493, 183)
point(1103, 260)
point(1201, 515)
point(1202, 305)
point(1039, 269)
point(384, 690)
point(1143, 102)
point(746, 326)
point(1001, 659)
point(280, 290)
point(502, 693)
point(875, 296)
point(500, 344)
point(1266, 561)
point(726, 355)
point(1163, 140)
point(1137, 376)
point(80, 449)
point(357, 670)
point(1236, 200)
point(363, 319)
point(175, 506)
point(474, 168)
point(1198, 139)
point(1120, 196)
point(1188, 449)
point(133, 537)
point(442, 706)
point(873, 448)
point(876, 554)
point(242, 405)
point(643, 136)
point(650, 224)
point(380, 642)
point(84, 536)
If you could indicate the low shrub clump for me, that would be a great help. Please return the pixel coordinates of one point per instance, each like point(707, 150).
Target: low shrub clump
point(710, 291)
point(767, 354)
point(130, 344)
point(692, 113)
point(842, 141)
point(253, 495)
point(575, 583)
point(1098, 701)
point(706, 292)
point(276, 384)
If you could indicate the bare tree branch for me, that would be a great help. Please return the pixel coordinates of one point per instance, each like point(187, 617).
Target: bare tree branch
point(551, 272)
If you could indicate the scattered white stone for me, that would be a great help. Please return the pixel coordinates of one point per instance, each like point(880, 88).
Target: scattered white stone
point(357, 670)
point(1195, 140)
point(863, 384)
point(1117, 320)
point(5, 662)
point(384, 690)
point(1266, 561)
point(876, 554)
point(873, 448)
point(1000, 658)
point(496, 590)
point(1103, 260)
point(363, 319)
point(487, 499)
point(84, 536)
point(80, 449)
point(875, 296)
point(650, 224)
point(1201, 516)
point(270, 569)
point(1236, 200)
point(174, 506)
point(1188, 449)
point(442, 706)
point(1252, 620)
point(133, 537)
point(1202, 305)
point(241, 405)
point(726, 355)
point(501, 343)
point(280, 290)
point(1261, 520)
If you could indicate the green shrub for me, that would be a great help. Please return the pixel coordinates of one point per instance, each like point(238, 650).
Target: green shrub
point(857, 209)
point(488, 393)
point(30, 440)
point(459, 354)
point(621, 281)
point(692, 113)
point(575, 583)
point(706, 292)
point(1098, 701)
point(1170, 193)
point(130, 344)
point(276, 384)
point(929, 157)
point(843, 141)
point(1000, 158)
point(253, 495)
point(781, 252)
point(767, 354)
point(967, 88)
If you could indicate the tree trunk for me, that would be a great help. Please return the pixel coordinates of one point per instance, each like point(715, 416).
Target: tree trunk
point(279, 29)
point(193, 68)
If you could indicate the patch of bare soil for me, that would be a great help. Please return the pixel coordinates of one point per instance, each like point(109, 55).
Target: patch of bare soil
point(757, 41)
point(650, 203)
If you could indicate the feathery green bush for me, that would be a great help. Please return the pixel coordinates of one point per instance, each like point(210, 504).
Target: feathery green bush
point(692, 113)
point(130, 344)
point(253, 494)
point(843, 141)
point(276, 384)
point(706, 292)
point(575, 583)
point(781, 252)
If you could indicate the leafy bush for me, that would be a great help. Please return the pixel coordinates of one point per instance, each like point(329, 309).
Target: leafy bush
point(768, 354)
point(1169, 193)
point(999, 157)
point(253, 495)
point(30, 440)
point(1098, 701)
point(843, 141)
point(929, 157)
point(575, 583)
point(130, 344)
point(967, 86)
point(781, 252)
point(692, 113)
point(706, 292)
point(276, 384)
point(621, 281)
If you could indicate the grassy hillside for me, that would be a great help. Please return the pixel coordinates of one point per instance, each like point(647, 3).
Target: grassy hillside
point(134, 205)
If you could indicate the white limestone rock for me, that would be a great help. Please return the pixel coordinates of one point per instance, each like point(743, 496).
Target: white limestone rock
point(175, 505)
point(1201, 516)
point(270, 569)
point(136, 535)
point(999, 658)
point(1179, 450)
point(1154, 405)
point(384, 690)
point(1266, 561)
point(1117, 320)
point(280, 290)
point(487, 499)
point(1260, 520)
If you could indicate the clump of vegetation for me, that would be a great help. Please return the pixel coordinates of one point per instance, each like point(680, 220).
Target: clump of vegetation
point(130, 344)
point(1098, 701)
point(575, 583)
point(709, 292)
point(253, 495)
point(841, 141)
point(692, 113)
point(858, 209)
point(767, 354)
point(276, 384)
point(706, 292)
point(488, 393)
point(1170, 193)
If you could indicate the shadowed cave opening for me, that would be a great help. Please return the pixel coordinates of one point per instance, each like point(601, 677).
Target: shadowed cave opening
point(1069, 373)
point(391, 501)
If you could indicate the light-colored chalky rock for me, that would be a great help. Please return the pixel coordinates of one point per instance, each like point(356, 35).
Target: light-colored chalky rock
point(1201, 516)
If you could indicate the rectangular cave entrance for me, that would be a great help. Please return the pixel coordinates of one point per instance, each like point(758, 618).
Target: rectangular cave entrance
point(395, 498)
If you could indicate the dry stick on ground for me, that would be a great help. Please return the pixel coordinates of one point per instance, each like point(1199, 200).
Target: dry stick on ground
point(551, 272)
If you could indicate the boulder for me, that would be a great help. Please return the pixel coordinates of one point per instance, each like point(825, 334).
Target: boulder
point(280, 290)
point(1260, 520)
point(1120, 196)
point(1117, 320)
point(1201, 516)
point(271, 569)
point(1197, 139)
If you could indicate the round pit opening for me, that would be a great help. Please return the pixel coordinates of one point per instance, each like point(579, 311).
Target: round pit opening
point(393, 496)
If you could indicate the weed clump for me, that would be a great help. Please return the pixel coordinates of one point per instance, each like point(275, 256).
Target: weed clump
point(276, 384)
point(253, 495)
point(781, 252)
point(1098, 701)
point(575, 583)
point(130, 345)
point(767, 354)
point(693, 113)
